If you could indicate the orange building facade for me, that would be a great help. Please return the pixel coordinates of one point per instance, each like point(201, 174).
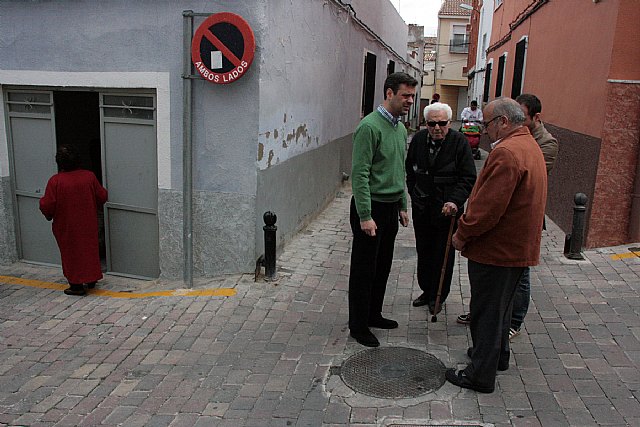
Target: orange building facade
point(581, 58)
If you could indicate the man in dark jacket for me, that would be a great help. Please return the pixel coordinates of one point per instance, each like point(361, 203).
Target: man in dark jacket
point(440, 175)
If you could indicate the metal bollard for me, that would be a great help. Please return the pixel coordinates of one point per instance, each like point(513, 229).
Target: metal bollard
point(573, 242)
point(270, 228)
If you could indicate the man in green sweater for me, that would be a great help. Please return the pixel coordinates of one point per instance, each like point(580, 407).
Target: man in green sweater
point(379, 202)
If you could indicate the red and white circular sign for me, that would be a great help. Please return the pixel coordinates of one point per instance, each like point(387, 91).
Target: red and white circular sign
point(223, 47)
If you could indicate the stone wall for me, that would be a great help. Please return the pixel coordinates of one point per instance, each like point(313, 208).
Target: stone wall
point(617, 166)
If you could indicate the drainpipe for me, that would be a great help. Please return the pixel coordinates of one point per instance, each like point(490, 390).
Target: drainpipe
point(187, 150)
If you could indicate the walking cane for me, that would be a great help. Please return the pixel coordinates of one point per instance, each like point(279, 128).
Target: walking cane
point(436, 309)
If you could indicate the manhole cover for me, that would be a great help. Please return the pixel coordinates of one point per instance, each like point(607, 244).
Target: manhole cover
point(393, 372)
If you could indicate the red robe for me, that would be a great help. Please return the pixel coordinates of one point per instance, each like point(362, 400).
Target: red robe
point(72, 200)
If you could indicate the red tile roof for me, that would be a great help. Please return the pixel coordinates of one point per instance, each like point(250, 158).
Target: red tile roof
point(452, 8)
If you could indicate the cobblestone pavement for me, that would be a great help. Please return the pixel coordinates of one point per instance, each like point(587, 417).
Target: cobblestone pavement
point(267, 355)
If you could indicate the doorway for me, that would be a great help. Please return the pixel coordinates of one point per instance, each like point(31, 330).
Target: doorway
point(77, 123)
point(115, 134)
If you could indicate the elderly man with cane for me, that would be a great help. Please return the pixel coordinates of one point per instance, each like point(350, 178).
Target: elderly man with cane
point(440, 175)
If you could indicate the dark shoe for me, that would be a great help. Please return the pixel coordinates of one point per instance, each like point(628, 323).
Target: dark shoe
point(366, 338)
point(75, 290)
point(421, 300)
point(461, 380)
point(91, 285)
point(501, 365)
point(383, 323)
point(464, 319)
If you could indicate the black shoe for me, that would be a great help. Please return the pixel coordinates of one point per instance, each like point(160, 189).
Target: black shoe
point(366, 338)
point(461, 380)
point(91, 285)
point(421, 300)
point(383, 323)
point(502, 366)
point(75, 290)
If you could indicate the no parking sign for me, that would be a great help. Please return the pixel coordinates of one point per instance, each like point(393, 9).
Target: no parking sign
point(223, 47)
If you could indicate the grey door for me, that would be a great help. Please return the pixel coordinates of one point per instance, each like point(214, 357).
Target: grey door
point(33, 146)
point(131, 176)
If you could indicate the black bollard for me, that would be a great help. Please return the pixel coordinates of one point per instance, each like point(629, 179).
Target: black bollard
point(575, 239)
point(270, 228)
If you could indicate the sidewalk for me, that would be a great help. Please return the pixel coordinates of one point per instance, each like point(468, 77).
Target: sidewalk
point(267, 356)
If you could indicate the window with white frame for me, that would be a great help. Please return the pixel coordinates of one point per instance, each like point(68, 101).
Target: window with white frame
point(502, 62)
point(518, 67)
point(459, 41)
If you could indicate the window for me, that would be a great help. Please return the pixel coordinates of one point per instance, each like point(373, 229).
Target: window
point(501, 64)
point(369, 83)
point(518, 68)
point(459, 42)
point(391, 67)
point(487, 82)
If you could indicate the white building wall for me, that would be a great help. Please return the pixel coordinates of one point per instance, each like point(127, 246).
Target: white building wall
point(484, 29)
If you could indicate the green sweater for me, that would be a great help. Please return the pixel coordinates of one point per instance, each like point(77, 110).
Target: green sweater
point(377, 167)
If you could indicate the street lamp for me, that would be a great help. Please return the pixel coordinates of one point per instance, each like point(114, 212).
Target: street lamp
point(466, 6)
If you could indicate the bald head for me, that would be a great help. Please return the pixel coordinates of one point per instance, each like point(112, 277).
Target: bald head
point(508, 108)
point(502, 116)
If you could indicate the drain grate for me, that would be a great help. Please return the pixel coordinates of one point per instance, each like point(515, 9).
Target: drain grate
point(393, 372)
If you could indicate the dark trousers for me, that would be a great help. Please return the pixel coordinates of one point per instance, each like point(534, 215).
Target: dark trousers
point(492, 290)
point(431, 243)
point(371, 258)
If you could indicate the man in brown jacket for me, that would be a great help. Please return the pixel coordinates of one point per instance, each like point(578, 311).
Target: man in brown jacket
point(500, 235)
point(532, 108)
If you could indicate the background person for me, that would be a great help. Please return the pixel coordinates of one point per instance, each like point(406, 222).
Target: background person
point(472, 113)
point(440, 175)
point(71, 199)
point(378, 202)
point(531, 107)
point(500, 234)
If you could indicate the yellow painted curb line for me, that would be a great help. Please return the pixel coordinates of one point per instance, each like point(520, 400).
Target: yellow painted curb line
point(625, 256)
point(221, 292)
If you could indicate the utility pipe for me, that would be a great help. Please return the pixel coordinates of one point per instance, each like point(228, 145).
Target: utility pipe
point(187, 151)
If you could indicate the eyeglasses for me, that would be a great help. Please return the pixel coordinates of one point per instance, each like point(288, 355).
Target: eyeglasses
point(486, 124)
point(442, 123)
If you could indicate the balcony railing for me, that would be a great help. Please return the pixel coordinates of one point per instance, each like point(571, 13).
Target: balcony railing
point(459, 44)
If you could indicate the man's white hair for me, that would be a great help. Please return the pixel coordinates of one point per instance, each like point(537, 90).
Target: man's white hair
point(438, 106)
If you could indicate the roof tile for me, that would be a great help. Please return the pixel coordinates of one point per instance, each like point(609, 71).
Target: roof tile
point(452, 8)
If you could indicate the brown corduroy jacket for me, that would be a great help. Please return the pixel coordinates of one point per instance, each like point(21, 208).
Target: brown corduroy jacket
point(503, 222)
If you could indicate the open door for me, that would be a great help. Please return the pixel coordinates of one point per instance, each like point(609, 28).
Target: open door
point(128, 127)
point(32, 142)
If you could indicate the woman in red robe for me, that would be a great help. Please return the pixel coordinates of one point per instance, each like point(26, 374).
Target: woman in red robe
point(71, 200)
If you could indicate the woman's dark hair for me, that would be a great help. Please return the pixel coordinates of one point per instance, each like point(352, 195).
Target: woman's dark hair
point(67, 158)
